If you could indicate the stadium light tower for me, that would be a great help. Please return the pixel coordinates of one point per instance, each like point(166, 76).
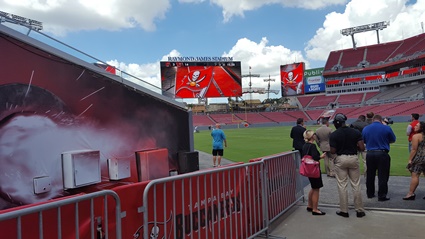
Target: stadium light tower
point(250, 84)
point(364, 28)
point(268, 87)
point(15, 19)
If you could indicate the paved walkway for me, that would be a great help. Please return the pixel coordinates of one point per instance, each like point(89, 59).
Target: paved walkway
point(395, 218)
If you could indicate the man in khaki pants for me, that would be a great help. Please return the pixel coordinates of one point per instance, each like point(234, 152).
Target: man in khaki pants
point(345, 142)
point(322, 140)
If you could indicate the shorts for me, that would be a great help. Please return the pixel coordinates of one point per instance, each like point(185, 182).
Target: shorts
point(218, 152)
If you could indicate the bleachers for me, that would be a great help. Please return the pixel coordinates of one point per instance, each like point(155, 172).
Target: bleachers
point(314, 114)
point(416, 107)
point(225, 118)
point(322, 100)
point(369, 95)
point(352, 57)
point(380, 52)
point(349, 99)
point(333, 59)
point(400, 92)
point(202, 120)
point(254, 118)
point(417, 47)
point(403, 108)
point(297, 114)
point(354, 112)
point(377, 53)
point(305, 100)
point(345, 111)
point(386, 110)
point(278, 116)
point(409, 46)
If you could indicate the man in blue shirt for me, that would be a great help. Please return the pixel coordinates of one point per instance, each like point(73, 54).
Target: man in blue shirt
point(378, 138)
point(218, 138)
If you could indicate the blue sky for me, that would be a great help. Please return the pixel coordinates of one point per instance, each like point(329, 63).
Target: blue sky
point(264, 34)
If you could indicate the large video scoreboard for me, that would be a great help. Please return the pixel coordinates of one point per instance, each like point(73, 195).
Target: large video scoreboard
point(201, 79)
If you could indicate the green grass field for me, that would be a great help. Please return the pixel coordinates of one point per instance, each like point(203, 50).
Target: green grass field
point(248, 143)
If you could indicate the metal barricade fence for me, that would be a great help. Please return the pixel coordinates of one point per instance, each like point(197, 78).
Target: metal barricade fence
point(238, 201)
point(284, 186)
point(89, 220)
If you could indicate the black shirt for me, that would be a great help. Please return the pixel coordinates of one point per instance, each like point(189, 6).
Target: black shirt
point(344, 140)
point(297, 136)
point(310, 149)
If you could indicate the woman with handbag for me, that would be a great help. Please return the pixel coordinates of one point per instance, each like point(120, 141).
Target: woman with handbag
point(416, 164)
point(309, 148)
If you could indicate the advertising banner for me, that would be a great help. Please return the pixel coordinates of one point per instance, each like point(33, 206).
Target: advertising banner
point(314, 81)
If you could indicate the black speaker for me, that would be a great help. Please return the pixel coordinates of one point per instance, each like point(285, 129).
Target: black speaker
point(188, 162)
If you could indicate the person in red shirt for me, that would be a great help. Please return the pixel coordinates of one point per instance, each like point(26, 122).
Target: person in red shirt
point(410, 131)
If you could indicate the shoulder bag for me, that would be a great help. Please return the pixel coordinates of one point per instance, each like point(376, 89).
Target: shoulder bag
point(309, 167)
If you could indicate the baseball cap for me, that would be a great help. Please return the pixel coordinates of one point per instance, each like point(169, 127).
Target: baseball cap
point(340, 118)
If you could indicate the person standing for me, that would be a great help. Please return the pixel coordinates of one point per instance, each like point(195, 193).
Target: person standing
point(416, 164)
point(297, 135)
point(345, 142)
point(309, 148)
point(359, 124)
point(378, 138)
point(322, 139)
point(410, 131)
point(369, 117)
point(218, 138)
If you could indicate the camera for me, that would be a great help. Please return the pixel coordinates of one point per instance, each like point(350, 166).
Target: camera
point(387, 121)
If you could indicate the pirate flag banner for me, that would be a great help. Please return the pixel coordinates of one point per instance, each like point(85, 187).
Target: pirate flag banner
point(201, 79)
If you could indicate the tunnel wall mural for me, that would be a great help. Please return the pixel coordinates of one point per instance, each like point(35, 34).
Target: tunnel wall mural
point(51, 104)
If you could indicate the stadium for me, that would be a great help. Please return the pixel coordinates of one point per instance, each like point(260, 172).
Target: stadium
point(386, 79)
point(88, 153)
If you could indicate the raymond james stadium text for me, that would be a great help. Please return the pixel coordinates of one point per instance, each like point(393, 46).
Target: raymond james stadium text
point(199, 58)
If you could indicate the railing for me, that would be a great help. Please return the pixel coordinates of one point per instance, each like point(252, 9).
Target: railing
point(89, 220)
point(236, 201)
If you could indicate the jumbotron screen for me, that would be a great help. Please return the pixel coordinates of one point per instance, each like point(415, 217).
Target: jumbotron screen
point(201, 79)
point(292, 79)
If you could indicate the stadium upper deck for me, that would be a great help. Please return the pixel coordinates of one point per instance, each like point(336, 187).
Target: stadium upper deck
point(384, 56)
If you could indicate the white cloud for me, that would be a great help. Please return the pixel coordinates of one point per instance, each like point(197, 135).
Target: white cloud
point(233, 8)
point(191, 1)
point(263, 59)
point(405, 21)
point(62, 16)
point(260, 56)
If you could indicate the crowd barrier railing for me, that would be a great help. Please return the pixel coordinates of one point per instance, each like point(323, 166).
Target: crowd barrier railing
point(284, 187)
point(80, 216)
point(238, 201)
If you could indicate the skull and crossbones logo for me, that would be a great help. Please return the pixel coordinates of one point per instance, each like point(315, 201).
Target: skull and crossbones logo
point(195, 81)
point(154, 233)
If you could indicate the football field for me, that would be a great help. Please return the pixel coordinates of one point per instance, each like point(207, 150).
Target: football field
point(248, 143)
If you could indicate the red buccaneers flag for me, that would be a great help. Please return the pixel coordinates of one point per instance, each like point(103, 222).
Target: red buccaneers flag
point(207, 81)
point(292, 79)
point(191, 81)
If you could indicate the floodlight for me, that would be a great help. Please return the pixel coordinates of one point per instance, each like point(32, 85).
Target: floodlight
point(11, 18)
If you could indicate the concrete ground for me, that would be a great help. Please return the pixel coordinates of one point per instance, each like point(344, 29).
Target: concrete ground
point(395, 218)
